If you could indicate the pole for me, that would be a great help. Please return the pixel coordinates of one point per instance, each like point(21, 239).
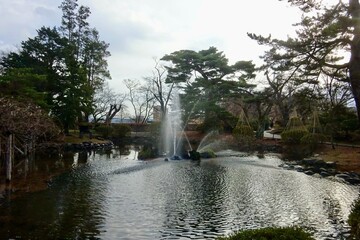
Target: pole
point(9, 156)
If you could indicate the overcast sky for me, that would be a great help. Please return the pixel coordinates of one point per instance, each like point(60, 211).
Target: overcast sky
point(140, 30)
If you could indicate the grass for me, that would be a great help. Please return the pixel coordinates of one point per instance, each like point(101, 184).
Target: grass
point(73, 137)
point(347, 158)
point(287, 233)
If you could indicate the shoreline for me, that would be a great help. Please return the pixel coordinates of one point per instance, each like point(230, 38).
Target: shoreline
point(345, 157)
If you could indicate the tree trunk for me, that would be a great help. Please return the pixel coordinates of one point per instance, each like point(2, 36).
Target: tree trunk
point(114, 109)
point(9, 156)
point(354, 68)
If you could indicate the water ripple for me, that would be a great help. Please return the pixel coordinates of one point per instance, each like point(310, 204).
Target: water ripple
point(126, 199)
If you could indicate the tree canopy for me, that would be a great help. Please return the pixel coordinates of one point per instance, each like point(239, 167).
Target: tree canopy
point(207, 80)
point(327, 42)
point(60, 68)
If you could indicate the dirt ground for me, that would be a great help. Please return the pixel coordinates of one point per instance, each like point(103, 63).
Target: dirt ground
point(346, 157)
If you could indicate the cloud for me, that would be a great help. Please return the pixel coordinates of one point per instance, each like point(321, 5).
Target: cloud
point(21, 18)
point(138, 30)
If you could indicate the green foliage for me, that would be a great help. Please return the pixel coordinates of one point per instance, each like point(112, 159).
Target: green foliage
point(147, 152)
point(113, 131)
point(24, 84)
point(293, 136)
point(194, 155)
point(120, 130)
point(350, 124)
point(354, 220)
point(295, 123)
point(60, 68)
point(244, 134)
point(339, 122)
point(288, 233)
point(155, 130)
point(294, 131)
point(320, 36)
point(207, 153)
point(241, 131)
point(104, 131)
point(312, 140)
point(215, 82)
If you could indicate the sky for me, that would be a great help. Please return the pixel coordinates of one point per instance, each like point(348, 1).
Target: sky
point(140, 31)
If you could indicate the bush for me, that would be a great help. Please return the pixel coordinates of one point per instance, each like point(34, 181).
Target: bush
point(354, 220)
point(104, 131)
point(113, 131)
point(146, 153)
point(244, 133)
point(120, 130)
point(293, 136)
point(208, 153)
point(289, 233)
point(245, 136)
point(312, 140)
point(194, 155)
point(155, 130)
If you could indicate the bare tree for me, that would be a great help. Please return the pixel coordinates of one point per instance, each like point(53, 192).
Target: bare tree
point(107, 104)
point(22, 126)
point(160, 89)
point(141, 100)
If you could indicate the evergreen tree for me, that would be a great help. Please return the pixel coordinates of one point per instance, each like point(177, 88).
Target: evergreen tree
point(89, 51)
point(323, 35)
point(208, 81)
point(60, 68)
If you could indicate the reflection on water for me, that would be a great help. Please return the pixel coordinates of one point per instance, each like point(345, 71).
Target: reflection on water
point(112, 196)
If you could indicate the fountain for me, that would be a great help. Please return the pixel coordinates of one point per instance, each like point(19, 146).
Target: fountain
point(173, 132)
point(174, 136)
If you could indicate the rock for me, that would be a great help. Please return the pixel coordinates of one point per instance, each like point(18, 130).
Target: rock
point(287, 167)
point(353, 180)
point(175, 157)
point(325, 174)
point(342, 176)
point(320, 163)
point(309, 172)
point(309, 161)
point(353, 175)
point(331, 164)
point(299, 168)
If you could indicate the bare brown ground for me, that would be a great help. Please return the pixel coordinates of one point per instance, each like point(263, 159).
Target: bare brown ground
point(346, 157)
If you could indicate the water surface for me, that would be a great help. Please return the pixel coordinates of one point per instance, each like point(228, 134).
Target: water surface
point(118, 197)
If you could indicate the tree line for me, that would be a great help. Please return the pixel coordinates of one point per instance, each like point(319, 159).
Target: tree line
point(59, 69)
point(64, 71)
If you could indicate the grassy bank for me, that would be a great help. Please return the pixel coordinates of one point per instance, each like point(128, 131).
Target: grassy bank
point(288, 233)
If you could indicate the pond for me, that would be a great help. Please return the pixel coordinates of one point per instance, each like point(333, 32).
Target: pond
point(114, 196)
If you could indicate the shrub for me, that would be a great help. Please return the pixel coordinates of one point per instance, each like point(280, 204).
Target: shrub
point(295, 123)
point(245, 136)
point(155, 130)
point(293, 136)
point(312, 140)
point(208, 153)
point(146, 153)
point(243, 133)
point(354, 220)
point(194, 155)
point(288, 233)
point(104, 131)
point(120, 130)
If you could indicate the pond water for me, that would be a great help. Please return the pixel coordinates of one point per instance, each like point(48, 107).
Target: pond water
point(112, 196)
